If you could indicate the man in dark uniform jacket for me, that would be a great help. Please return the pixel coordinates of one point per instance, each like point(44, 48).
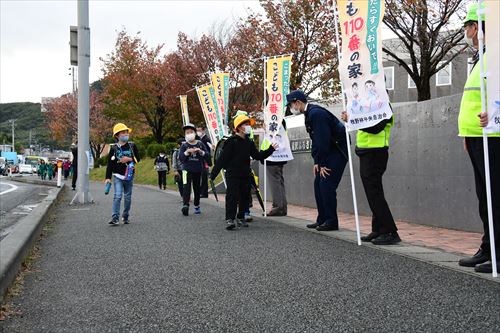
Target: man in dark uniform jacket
point(329, 151)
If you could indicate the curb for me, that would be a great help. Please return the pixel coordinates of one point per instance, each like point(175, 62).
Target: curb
point(16, 245)
point(25, 180)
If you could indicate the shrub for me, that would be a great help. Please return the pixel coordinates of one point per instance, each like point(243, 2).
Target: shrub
point(154, 149)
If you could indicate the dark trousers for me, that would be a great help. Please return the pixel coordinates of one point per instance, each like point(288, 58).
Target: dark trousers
point(204, 183)
point(277, 184)
point(178, 181)
point(75, 176)
point(325, 189)
point(476, 154)
point(372, 166)
point(66, 174)
point(191, 179)
point(162, 179)
point(236, 197)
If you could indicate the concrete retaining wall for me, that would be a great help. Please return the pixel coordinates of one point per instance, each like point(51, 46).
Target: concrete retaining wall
point(429, 179)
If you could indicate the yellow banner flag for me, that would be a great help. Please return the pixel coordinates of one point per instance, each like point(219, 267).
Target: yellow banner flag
point(184, 109)
point(277, 87)
point(220, 82)
point(361, 69)
point(206, 95)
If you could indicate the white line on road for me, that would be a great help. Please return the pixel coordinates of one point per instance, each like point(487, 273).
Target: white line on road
point(12, 188)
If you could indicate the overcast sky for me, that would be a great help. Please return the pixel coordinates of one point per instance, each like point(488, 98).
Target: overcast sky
point(34, 36)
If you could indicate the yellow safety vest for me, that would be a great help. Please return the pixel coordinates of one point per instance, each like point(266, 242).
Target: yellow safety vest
point(468, 121)
point(379, 140)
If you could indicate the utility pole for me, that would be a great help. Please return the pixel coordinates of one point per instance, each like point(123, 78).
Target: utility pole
point(13, 122)
point(73, 80)
point(82, 194)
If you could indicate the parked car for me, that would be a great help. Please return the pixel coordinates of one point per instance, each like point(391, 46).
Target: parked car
point(25, 168)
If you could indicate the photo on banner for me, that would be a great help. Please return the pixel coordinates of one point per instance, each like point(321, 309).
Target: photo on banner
point(208, 102)
point(220, 82)
point(277, 87)
point(184, 109)
point(284, 151)
point(361, 69)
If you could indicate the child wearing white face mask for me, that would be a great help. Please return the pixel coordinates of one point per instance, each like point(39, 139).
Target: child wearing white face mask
point(162, 167)
point(191, 154)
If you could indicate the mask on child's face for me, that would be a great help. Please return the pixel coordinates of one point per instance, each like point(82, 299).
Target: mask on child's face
point(123, 138)
point(199, 133)
point(248, 129)
point(190, 137)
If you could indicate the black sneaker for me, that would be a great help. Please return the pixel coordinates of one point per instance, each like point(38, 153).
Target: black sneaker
point(390, 238)
point(313, 225)
point(185, 210)
point(114, 222)
point(125, 220)
point(371, 236)
point(230, 225)
point(480, 257)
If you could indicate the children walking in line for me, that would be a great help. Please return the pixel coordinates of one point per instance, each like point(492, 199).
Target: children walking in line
point(235, 159)
point(192, 156)
point(121, 166)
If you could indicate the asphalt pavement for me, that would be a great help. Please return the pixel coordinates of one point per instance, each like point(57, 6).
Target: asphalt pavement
point(169, 273)
point(16, 201)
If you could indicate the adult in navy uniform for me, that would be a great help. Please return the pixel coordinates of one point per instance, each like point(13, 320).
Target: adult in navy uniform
point(329, 151)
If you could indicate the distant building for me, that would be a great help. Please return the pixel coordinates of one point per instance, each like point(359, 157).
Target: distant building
point(449, 81)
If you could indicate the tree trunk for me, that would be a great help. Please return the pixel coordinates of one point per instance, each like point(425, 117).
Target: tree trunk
point(424, 90)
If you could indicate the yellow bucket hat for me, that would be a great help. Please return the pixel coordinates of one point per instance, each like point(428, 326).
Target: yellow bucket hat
point(241, 119)
point(120, 127)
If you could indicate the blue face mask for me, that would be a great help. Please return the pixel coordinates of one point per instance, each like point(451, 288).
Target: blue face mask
point(123, 138)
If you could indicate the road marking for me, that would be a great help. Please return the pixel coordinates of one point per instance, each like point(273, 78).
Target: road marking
point(20, 213)
point(12, 188)
point(80, 208)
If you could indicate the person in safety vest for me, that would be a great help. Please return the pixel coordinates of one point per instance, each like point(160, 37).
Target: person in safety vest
point(329, 151)
point(372, 148)
point(471, 121)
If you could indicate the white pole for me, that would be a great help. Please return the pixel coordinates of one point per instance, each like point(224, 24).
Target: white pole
point(348, 138)
point(480, 36)
point(265, 161)
point(59, 174)
point(83, 101)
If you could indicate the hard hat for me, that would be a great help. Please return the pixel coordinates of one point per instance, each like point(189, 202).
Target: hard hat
point(120, 127)
point(241, 119)
point(472, 13)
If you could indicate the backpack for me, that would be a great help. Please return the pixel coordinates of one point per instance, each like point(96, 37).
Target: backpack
point(220, 147)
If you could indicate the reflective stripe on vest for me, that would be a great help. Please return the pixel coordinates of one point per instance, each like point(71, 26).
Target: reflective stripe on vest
point(470, 107)
point(379, 140)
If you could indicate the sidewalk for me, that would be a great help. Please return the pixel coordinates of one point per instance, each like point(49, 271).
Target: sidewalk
point(448, 240)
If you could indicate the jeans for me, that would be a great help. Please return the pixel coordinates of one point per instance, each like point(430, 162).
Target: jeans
point(122, 188)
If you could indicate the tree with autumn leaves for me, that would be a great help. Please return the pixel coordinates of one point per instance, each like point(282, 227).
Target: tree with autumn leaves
point(62, 120)
point(141, 83)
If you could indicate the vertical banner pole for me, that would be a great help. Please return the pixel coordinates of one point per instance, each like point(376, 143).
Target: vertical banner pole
point(348, 138)
point(480, 12)
point(265, 161)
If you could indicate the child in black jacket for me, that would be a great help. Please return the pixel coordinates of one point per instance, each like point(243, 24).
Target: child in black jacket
point(235, 159)
point(192, 156)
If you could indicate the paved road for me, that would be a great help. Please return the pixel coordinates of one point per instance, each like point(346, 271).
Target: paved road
point(16, 201)
point(168, 273)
